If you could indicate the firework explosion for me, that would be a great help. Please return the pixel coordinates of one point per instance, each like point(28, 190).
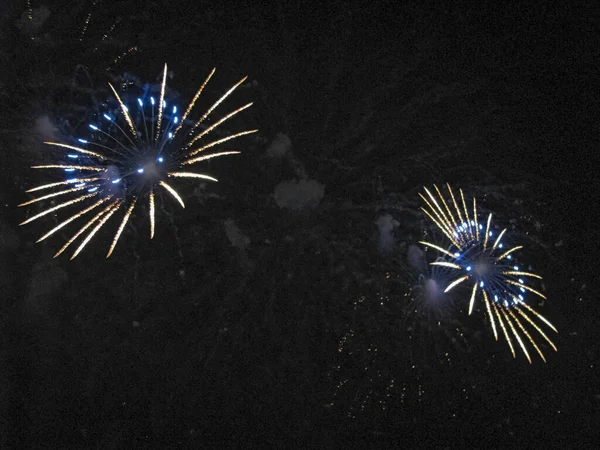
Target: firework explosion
point(127, 161)
point(479, 258)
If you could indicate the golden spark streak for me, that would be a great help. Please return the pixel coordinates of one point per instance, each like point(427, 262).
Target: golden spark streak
point(173, 192)
point(61, 183)
point(438, 248)
point(217, 103)
point(455, 282)
point(504, 311)
point(191, 175)
point(498, 239)
point(538, 329)
point(515, 333)
point(462, 196)
point(451, 223)
point(65, 166)
point(151, 206)
point(534, 312)
point(121, 228)
point(85, 227)
point(55, 194)
point(216, 124)
point(205, 157)
point(518, 272)
point(439, 222)
point(504, 331)
point(505, 254)
point(72, 218)
point(125, 112)
point(57, 207)
point(487, 231)
point(446, 264)
point(161, 101)
point(439, 213)
point(489, 311)
point(219, 141)
point(122, 55)
point(458, 210)
point(472, 300)
point(93, 232)
point(516, 319)
point(475, 218)
point(77, 149)
point(193, 102)
point(521, 285)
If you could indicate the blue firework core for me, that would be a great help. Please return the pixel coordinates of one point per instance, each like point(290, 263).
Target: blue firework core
point(151, 169)
point(483, 265)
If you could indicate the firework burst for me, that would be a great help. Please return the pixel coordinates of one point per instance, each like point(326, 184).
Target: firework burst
point(128, 159)
point(478, 258)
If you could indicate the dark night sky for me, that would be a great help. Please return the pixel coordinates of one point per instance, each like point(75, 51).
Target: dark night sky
point(299, 337)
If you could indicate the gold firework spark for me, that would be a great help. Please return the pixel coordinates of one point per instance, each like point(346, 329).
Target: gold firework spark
point(479, 259)
point(131, 162)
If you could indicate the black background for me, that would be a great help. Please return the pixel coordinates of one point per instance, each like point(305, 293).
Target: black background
point(300, 339)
